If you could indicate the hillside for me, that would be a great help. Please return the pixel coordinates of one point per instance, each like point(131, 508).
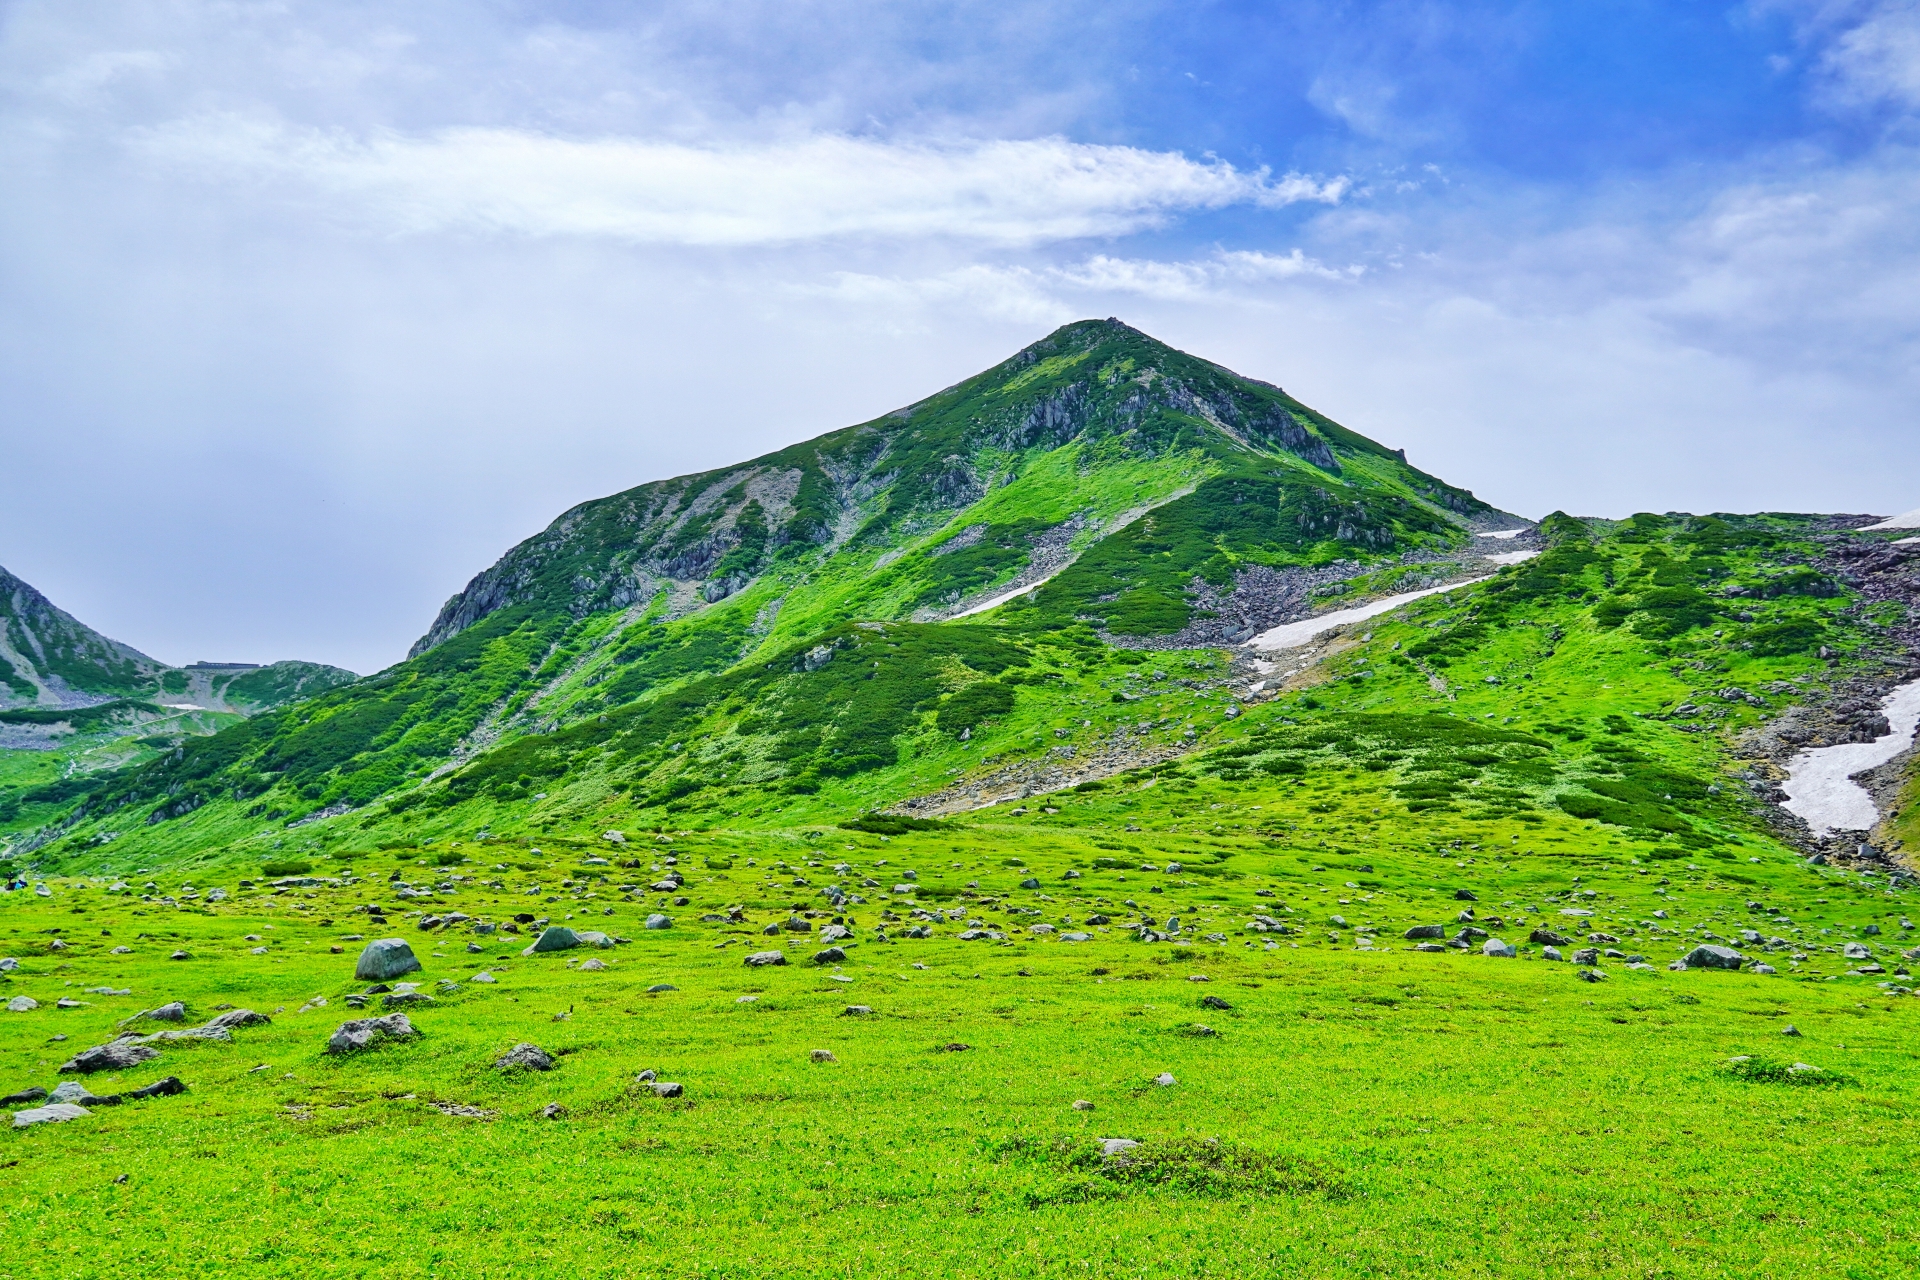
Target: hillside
point(1156, 500)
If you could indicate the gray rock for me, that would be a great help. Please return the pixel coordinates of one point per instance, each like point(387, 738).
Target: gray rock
point(555, 937)
point(760, 959)
point(526, 1057)
point(483, 976)
point(832, 955)
point(835, 933)
point(666, 1089)
point(1764, 969)
point(1589, 975)
point(1587, 955)
point(1551, 953)
point(1789, 1030)
point(1213, 1002)
point(659, 988)
point(658, 921)
point(552, 1111)
point(594, 938)
point(1081, 1104)
point(115, 1055)
point(9, 964)
point(401, 999)
point(1338, 922)
point(1711, 957)
point(1872, 931)
point(179, 955)
point(174, 1012)
point(822, 1055)
point(1419, 946)
point(53, 1114)
point(1855, 951)
point(1164, 1079)
point(1030, 883)
point(383, 959)
point(856, 1011)
point(1075, 936)
point(1547, 938)
point(1425, 931)
point(1114, 1146)
point(74, 1092)
point(364, 1033)
point(593, 964)
point(32, 1094)
point(239, 1018)
point(1495, 947)
point(22, 1004)
point(1465, 895)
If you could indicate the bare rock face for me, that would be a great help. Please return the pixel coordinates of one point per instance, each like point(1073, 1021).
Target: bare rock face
point(385, 959)
point(364, 1033)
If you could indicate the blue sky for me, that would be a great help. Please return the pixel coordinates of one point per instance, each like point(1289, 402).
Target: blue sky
point(309, 310)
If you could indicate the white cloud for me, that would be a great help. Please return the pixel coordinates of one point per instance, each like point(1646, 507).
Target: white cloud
point(814, 187)
point(1878, 58)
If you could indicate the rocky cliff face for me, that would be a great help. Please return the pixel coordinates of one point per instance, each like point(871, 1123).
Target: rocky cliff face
point(50, 658)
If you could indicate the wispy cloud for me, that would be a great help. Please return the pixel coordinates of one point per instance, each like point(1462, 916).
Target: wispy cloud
point(814, 187)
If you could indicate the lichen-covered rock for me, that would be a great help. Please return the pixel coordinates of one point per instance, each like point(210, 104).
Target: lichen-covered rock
point(115, 1055)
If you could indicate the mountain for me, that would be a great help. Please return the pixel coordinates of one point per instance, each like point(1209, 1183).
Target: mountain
point(1055, 573)
point(50, 658)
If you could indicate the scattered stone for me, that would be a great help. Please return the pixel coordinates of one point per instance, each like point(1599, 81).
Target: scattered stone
point(658, 921)
point(179, 955)
point(54, 1113)
point(76, 1093)
point(746, 999)
point(1547, 938)
point(174, 1012)
point(822, 1055)
point(955, 1047)
point(528, 1057)
point(238, 1018)
point(832, 955)
point(856, 1011)
point(483, 976)
point(115, 1055)
point(364, 1033)
point(593, 964)
point(1587, 955)
point(1495, 947)
point(666, 1089)
point(385, 958)
point(22, 1004)
point(1589, 975)
point(552, 1111)
point(657, 988)
point(760, 959)
point(1855, 951)
point(1710, 957)
point(1164, 1079)
point(555, 937)
point(121, 951)
point(1081, 1104)
point(1551, 953)
point(594, 938)
point(1114, 1146)
point(9, 963)
point(399, 999)
point(1213, 1002)
point(34, 1094)
point(1465, 895)
point(1788, 1030)
point(1425, 931)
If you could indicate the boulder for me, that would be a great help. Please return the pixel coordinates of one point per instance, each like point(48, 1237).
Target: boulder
point(658, 921)
point(822, 1055)
point(759, 959)
point(525, 1057)
point(593, 964)
point(22, 1004)
point(1551, 953)
point(32, 1094)
point(1712, 957)
point(1548, 938)
point(555, 937)
point(384, 959)
point(364, 1033)
point(832, 955)
point(1114, 1146)
point(158, 1089)
point(1495, 947)
point(1465, 895)
point(54, 1113)
point(115, 1055)
point(174, 1012)
point(1164, 1079)
point(239, 1018)
point(1425, 931)
point(76, 1093)
point(1587, 955)
point(1213, 1002)
point(594, 938)
point(666, 1089)
point(856, 1011)
point(1855, 951)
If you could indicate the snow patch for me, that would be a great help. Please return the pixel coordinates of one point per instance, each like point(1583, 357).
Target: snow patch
point(1911, 520)
point(1512, 557)
point(1505, 533)
point(1820, 786)
point(1291, 635)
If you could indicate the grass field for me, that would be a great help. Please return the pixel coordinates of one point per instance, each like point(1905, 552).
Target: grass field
point(1355, 1111)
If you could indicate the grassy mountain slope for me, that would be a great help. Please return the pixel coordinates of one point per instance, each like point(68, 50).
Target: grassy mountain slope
point(1143, 485)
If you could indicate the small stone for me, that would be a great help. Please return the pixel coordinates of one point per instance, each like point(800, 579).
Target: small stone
point(179, 955)
point(657, 988)
point(1164, 1079)
point(1589, 975)
point(525, 1057)
point(385, 958)
point(173, 1012)
point(746, 999)
point(593, 964)
point(399, 999)
point(1711, 957)
point(666, 1089)
point(483, 976)
point(115, 1055)
point(552, 1111)
point(822, 1055)
point(22, 1004)
point(121, 951)
point(1495, 947)
point(1114, 1146)
point(1789, 1030)
point(1213, 1002)
point(1081, 1104)
point(1425, 931)
point(33, 1094)
point(760, 959)
point(473, 948)
point(1855, 951)
point(658, 921)
point(856, 1011)
point(646, 1076)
